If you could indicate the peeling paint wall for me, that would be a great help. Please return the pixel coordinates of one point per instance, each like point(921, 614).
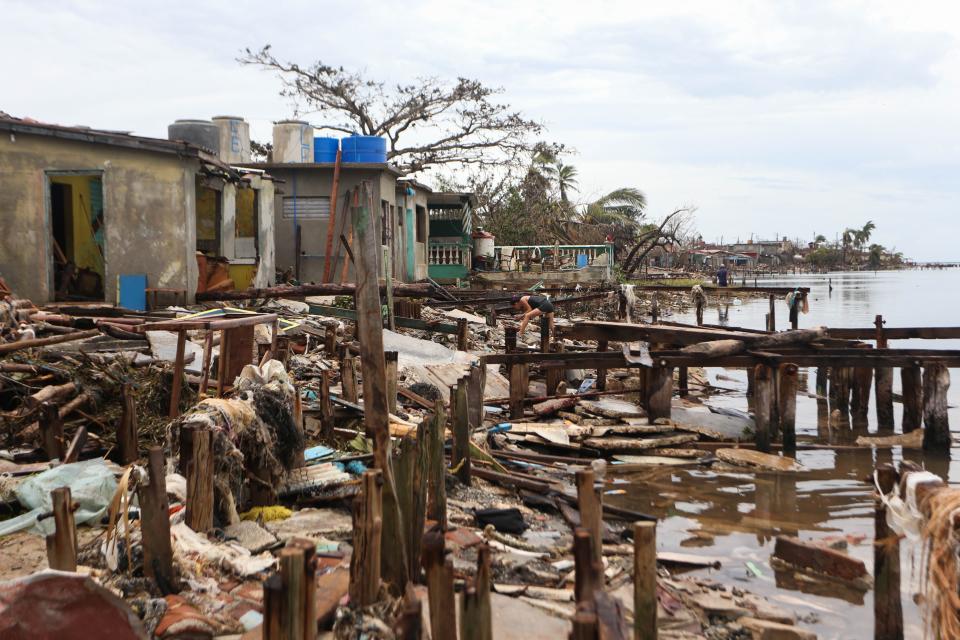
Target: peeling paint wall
point(266, 267)
point(148, 210)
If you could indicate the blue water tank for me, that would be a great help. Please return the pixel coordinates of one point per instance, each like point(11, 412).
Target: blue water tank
point(364, 149)
point(325, 149)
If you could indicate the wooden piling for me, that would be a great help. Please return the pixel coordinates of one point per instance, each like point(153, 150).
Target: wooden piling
point(510, 339)
point(787, 400)
point(436, 485)
point(330, 339)
point(519, 381)
point(772, 315)
point(462, 334)
point(544, 335)
point(348, 378)
point(659, 392)
point(51, 431)
point(411, 469)
point(823, 375)
point(460, 426)
point(683, 382)
point(883, 384)
point(840, 378)
point(590, 503)
point(860, 396)
point(762, 400)
point(409, 623)
point(155, 523)
point(602, 345)
point(554, 374)
point(62, 543)
point(273, 602)
point(645, 580)
point(588, 577)
point(178, 374)
point(936, 432)
point(207, 357)
point(390, 359)
point(911, 382)
point(439, 569)
point(293, 578)
point(887, 604)
point(475, 610)
point(327, 422)
point(367, 532)
point(127, 437)
point(199, 515)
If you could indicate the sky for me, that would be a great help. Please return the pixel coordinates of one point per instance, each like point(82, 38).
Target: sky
point(772, 118)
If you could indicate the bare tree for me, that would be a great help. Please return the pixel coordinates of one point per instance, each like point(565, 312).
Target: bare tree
point(672, 230)
point(427, 123)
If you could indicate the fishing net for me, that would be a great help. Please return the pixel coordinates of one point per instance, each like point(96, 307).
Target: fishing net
point(941, 564)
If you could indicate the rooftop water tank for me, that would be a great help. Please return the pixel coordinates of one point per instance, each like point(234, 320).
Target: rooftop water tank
point(234, 139)
point(325, 149)
point(201, 133)
point(292, 141)
point(364, 149)
point(483, 243)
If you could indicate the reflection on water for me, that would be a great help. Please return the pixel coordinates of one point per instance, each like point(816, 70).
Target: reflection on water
point(737, 515)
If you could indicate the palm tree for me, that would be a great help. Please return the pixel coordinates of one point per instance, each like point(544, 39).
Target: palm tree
point(566, 179)
point(862, 236)
point(622, 207)
point(820, 239)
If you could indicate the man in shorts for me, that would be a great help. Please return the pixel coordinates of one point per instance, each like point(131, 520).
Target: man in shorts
point(533, 306)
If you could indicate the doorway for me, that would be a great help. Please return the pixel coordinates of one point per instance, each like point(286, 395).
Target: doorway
point(77, 235)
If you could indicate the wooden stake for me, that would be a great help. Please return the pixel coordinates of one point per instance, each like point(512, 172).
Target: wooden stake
point(390, 359)
point(936, 433)
point(840, 388)
point(51, 431)
point(660, 392)
point(439, 570)
point(330, 340)
point(645, 580)
point(887, 605)
point(762, 399)
point(772, 316)
point(62, 544)
point(554, 373)
point(460, 426)
point(544, 335)
point(475, 610)
point(348, 378)
point(787, 398)
point(326, 406)
point(224, 357)
point(823, 375)
point(178, 374)
point(207, 355)
point(860, 401)
point(332, 221)
point(518, 388)
point(155, 523)
point(588, 577)
point(510, 339)
point(590, 503)
point(462, 334)
point(367, 532)
point(409, 625)
point(293, 579)
point(602, 345)
point(436, 485)
point(76, 445)
point(127, 435)
point(684, 382)
point(273, 602)
point(199, 515)
point(412, 468)
point(911, 381)
point(883, 385)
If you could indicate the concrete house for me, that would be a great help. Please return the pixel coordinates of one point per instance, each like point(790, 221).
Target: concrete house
point(84, 207)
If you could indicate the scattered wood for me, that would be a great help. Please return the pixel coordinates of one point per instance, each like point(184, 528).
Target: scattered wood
point(819, 559)
point(758, 459)
point(637, 444)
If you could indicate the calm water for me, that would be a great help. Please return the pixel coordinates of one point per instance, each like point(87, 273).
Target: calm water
point(736, 516)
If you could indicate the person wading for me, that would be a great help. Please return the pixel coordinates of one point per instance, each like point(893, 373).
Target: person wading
point(533, 306)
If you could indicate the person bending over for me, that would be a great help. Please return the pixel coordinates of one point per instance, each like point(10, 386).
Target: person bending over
point(533, 306)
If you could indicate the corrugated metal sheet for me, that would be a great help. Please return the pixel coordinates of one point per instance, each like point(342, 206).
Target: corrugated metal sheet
point(307, 207)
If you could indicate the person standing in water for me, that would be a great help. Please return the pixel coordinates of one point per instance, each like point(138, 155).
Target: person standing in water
point(533, 306)
point(722, 276)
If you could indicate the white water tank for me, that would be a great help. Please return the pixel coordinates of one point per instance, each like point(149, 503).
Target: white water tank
point(234, 139)
point(483, 243)
point(201, 133)
point(292, 141)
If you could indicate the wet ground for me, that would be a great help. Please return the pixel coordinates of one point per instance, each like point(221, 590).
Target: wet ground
point(735, 516)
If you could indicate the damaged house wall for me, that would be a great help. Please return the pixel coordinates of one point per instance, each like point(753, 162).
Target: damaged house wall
point(148, 211)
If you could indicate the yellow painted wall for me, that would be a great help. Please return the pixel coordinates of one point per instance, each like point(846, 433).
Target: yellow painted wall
point(246, 213)
point(84, 251)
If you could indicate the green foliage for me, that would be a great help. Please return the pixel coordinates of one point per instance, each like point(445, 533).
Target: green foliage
point(825, 258)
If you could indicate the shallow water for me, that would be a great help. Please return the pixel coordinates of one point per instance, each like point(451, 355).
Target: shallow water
point(736, 516)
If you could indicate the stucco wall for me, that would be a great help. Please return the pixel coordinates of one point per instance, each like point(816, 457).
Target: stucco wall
point(148, 201)
point(306, 182)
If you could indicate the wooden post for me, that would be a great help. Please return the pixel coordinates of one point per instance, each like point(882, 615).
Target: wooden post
point(544, 335)
point(199, 516)
point(553, 373)
point(911, 382)
point(326, 406)
point(273, 601)
point(602, 345)
point(460, 426)
point(476, 382)
point(475, 610)
point(155, 523)
point(684, 382)
point(588, 577)
point(412, 469)
point(409, 623)
point(491, 316)
point(332, 221)
point(772, 316)
point(330, 339)
point(840, 388)
point(787, 398)
point(700, 305)
point(823, 375)
point(762, 400)
point(795, 311)
point(645, 580)
point(655, 308)
point(436, 485)
point(883, 384)
point(936, 433)
point(462, 334)
point(178, 373)
point(186, 448)
point(510, 339)
point(127, 431)
point(860, 401)
point(293, 620)
point(590, 503)
point(224, 357)
point(367, 534)
point(207, 355)
point(887, 604)
point(518, 388)
point(390, 359)
point(62, 544)
point(659, 392)
point(348, 378)
point(51, 431)
point(439, 570)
